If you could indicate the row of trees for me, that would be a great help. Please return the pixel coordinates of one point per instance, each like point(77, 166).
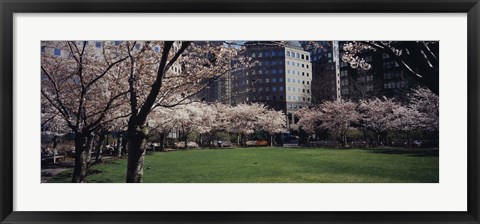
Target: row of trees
point(207, 119)
point(380, 115)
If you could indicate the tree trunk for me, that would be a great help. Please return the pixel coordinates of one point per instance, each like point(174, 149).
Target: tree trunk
point(119, 146)
point(124, 146)
point(80, 167)
point(91, 144)
point(54, 141)
point(271, 140)
point(162, 141)
point(136, 156)
point(186, 139)
point(99, 150)
point(409, 139)
point(238, 140)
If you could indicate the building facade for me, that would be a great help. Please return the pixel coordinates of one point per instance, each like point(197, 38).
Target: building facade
point(280, 77)
point(325, 70)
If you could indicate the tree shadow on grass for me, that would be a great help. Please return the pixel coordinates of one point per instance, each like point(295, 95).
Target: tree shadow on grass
point(416, 152)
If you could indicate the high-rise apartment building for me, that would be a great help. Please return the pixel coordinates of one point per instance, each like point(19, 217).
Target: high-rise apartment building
point(325, 70)
point(280, 77)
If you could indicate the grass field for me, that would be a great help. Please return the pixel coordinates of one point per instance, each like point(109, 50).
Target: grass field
point(276, 165)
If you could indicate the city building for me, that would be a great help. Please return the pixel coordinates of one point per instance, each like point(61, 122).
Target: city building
point(280, 77)
point(385, 78)
point(325, 70)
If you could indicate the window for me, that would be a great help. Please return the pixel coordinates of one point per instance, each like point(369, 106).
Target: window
point(274, 80)
point(288, 79)
point(288, 53)
point(288, 89)
point(298, 72)
point(308, 83)
point(307, 66)
point(259, 54)
point(157, 49)
point(298, 64)
point(267, 63)
point(267, 54)
point(267, 81)
point(98, 44)
point(288, 71)
point(254, 55)
point(274, 89)
point(280, 71)
point(274, 71)
point(57, 51)
point(273, 53)
point(280, 62)
point(308, 74)
point(274, 62)
point(303, 73)
point(293, 80)
point(267, 89)
point(43, 49)
point(307, 59)
point(137, 46)
point(281, 88)
point(281, 80)
point(298, 80)
point(303, 82)
point(288, 62)
point(280, 53)
point(298, 55)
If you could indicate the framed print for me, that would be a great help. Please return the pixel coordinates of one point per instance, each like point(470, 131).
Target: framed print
point(240, 111)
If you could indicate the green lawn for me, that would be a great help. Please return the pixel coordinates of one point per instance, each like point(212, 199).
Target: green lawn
point(277, 165)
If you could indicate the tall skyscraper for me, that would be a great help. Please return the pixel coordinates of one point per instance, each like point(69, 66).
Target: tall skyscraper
point(280, 77)
point(325, 70)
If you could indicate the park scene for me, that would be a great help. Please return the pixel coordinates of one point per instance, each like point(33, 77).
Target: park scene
point(239, 111)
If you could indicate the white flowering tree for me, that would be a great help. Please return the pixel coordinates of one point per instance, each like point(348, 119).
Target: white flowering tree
point(273, 122)
point(338, 117)
point(84, 83)
point(242, 119)
point(378, 115)
point(309, 119)
point(160, 72)
point(427, 103)
point(407, 119)
point(420, 59)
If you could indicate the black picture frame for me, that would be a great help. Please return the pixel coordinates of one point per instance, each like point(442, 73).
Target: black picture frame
point(9, 7)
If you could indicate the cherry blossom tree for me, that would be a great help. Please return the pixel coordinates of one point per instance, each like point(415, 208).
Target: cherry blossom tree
point(378, 115)
point(427, 103)
point(406, 118)
point(243, 118)
point(309, 119)
point(338, 117)
point(83, 82)
point(420, 59)
point(161, 71)
point(272, 122)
